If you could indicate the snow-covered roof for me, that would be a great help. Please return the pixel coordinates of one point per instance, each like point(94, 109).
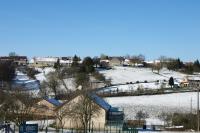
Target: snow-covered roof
point(153, 61)
point(20, 76)
point(31, 61)
point(66, 61)
point(107, 61)
point(50, 59)
point(139, 64)
point(126, 60)
point(196, 78)
point(45, 59)
point(27, 84)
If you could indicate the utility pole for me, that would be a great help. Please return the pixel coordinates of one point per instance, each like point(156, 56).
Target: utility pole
point(198, 109)
point(191, 106)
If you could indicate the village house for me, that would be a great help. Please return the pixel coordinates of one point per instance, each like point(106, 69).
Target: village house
point(194, 82)
point(50, 61)
point(106, 115)
point(111, 62)
point(116, 61)
point(104, 63)
point(46, 107)
point(129, 62)
point(154, 62)
point(66, 61)
point(43, 61)
point(18, 60)
point(184, 82)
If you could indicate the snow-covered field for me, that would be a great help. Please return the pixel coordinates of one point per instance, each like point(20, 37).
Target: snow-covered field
point(123, 75)
point(156, 104)
point(130, 74)
point(132, 87)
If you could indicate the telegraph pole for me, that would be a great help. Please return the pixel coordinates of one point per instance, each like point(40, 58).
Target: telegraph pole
point(198, 109)
point(191, 106)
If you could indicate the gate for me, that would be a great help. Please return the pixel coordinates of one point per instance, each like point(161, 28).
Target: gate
point(7, 128)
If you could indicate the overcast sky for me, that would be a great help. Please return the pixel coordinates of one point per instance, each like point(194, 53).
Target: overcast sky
point(93, 27)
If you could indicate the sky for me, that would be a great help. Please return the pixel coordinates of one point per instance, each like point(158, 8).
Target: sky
point(93, 27)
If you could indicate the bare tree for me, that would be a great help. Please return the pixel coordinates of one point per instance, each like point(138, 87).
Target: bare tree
point(52, 83)
point(17, 107)
point(84, 110)
point(156, 67)
point(137, 59)
point(81, 110)
point(60, 115)
point(166, 118)
point(140, 115)
point(64, 73)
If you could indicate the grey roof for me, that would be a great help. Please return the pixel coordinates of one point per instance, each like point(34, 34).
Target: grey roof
point(100, 101)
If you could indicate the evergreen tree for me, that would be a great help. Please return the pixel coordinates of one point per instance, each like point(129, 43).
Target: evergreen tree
point(75, 62)
point(7, 71)
point(96, 61)
point(179, 63)
point(196, 66)
point(88, 65)
point(57, 65)
point(171, 82)
point(12, 54)
point(104, 57)
point(189, 69)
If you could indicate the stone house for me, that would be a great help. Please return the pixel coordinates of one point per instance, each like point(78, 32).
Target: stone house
point(105, 115)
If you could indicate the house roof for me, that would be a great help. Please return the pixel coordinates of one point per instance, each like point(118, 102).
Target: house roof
point(194, 78)
point(101, 102)
point(116, 58)
point(13, 58)
point(98, 100)
point(45, 59)
point(53, 101)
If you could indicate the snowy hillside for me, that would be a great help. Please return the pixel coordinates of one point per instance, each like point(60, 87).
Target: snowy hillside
point(44, 72)
point(129, 74)
point(156, 104)
point(123, 75)
point(177, 75)
point(22, 80)
point(41, 76)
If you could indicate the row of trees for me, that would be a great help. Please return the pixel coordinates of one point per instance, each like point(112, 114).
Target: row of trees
point(176, 65)
point(187, 120)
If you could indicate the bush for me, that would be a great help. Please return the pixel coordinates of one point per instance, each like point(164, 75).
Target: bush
point(99, 76)
point(7, 70)
point(186, 120)
point(31, 72)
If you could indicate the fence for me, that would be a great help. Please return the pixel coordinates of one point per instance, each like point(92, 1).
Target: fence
point(131, 130)
point(109, 127)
